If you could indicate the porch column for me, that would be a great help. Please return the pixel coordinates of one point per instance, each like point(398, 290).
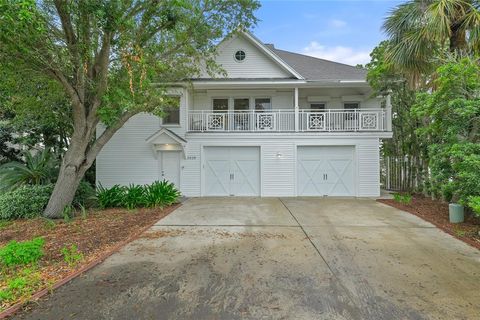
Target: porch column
point(388, 112)
point(296, 110)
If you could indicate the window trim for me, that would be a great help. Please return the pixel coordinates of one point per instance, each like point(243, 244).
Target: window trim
point(235, 55)
point(347, 102)
point(218, 98)
point(242, 97)
point(262, 97)
point(318, 102)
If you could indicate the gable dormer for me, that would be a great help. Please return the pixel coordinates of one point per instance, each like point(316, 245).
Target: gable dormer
point(243, 56)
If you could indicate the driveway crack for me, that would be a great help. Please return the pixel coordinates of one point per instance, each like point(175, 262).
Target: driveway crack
point(338, 280)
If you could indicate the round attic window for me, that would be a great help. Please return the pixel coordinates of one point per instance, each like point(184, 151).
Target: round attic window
point(240, 55)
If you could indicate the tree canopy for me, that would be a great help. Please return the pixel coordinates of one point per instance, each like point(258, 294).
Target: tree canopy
point(113, 60)
point(422, 31)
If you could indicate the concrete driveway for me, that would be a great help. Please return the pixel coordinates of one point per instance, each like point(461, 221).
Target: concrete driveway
point(292, 258)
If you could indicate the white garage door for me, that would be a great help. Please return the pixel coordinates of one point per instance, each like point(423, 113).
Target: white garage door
point(232, 171)
point(325, 171)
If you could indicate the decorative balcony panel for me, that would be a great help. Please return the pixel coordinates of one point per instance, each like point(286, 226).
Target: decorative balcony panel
point(330, 120)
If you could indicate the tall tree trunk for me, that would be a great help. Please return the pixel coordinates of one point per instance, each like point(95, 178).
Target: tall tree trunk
point(77, 160)
point(72, 171)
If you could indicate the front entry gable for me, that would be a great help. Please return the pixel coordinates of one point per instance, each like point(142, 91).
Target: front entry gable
point(256, 60)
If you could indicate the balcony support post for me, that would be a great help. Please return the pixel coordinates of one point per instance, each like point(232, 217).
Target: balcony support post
point(388, 113)
point(297, 122)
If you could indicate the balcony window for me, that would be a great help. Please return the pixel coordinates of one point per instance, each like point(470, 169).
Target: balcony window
point(172, 116)
point(318, 106)
point(242, 104)
point(220, 105)
point(263, 105)
point(351, 105)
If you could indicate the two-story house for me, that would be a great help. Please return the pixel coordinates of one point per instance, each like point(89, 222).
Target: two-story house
point(280, 124)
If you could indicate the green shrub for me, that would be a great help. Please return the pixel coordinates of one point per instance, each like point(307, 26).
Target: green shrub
point(157, 194)
point(402, 198)
point(23, 285)
point(134, 196)
point(24, 202)
point(474, 203)
point(110, 197)
point(84, 197)
point(161, 194)
point(71, 255)
point(21, 253)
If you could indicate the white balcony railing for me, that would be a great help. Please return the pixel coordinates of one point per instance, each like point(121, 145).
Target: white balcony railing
point(330, 120)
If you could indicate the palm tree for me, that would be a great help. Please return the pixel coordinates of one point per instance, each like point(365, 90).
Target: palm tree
point(421, 31)
point(39, 168)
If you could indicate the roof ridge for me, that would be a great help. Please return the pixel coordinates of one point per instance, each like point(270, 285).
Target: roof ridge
point(321, 59)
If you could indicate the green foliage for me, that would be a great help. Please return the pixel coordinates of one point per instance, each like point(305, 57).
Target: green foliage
point(405, 142)
point(421, 31)
point(7, 132)
point(71, 255)
point(134, 196)
point(451, 116)
point(4, 224)
point(110, 197)
point(474, 203)
point(21, 253)
point(161, 194)
point(151, 42)
point(25, 202)
point(68, 213)
point(85, 195)
point(157, 194)
point(39, 168)
point(402, 198)
point(21, 285)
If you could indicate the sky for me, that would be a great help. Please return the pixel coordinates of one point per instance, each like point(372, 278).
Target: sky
point(340, 30)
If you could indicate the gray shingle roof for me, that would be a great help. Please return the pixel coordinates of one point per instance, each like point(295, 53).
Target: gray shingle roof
point(319, 69)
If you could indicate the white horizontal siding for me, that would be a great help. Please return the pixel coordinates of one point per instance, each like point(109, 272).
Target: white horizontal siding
point(127, 158)
point(368, 168)
point(256, 65)
point(278, 174)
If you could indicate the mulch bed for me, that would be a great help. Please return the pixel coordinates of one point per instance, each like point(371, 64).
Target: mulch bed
point(436, 212)
point(100, 232)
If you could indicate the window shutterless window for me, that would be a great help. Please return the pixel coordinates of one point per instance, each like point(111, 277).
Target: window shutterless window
point(263, 104)
point(317, 106)
point(351, 105)
point(220, 105)
point(172, 114)
point(241, 104)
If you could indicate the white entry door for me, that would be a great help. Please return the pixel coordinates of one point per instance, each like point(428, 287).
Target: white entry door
point(170, 167)
point(325, 171)
point(232, 171)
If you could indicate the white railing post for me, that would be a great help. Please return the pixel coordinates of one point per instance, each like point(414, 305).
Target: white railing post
point(388, 113)
point(296, 109)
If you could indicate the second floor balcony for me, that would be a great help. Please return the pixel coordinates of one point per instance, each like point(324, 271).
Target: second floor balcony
point(328, 120)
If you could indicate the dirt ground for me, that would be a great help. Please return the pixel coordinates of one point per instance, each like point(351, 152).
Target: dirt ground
point(93, 235)
point(436, 212)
